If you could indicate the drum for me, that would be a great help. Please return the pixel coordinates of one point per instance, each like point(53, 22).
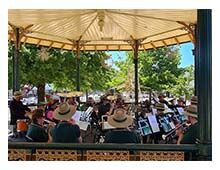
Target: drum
point(22, 125)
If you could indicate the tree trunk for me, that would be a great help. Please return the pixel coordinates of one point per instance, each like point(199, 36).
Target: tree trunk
point(41, 92)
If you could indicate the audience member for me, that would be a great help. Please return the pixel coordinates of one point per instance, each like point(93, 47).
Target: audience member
point(65, 131)
point(121, 121)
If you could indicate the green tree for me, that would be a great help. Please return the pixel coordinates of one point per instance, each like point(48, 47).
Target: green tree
point(38, 67)
point(159, 68)
point(122, 77)
point(10, 68)
point(185, 83)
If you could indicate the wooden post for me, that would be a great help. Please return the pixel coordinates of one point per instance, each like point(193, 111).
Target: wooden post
point(16, 85)
point(136, 46)
point(78, 68)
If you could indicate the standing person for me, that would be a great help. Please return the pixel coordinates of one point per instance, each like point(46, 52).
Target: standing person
point(17, 111)
point(36, 131)
point(191, 135)
point(121, 121)
point(65, 131)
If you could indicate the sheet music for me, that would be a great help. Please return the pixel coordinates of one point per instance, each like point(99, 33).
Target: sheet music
point(153, 123)
point(154, 111)
point(172, 125)
point(88, 110)
point(180, 110)
point(82, 125)
point(77, 115)
point(144, 127)
point(106, 125)
point(168, 110)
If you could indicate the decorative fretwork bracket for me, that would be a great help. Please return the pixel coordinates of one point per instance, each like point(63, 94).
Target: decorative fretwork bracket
point(18, 33)
point(190, 28)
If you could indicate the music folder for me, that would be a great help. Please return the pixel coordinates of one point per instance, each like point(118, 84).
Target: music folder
point(153, 122)
point(105, 124)
point(82, 125)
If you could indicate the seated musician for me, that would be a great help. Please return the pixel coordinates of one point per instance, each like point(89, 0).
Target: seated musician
point(180, 102)
point(104, 107)
point(65, 131)
point(161, 98)
point(190, 136)
point(157, 137)
point(89, 103)
point(94, 115)
point(36, 131)
point(121, 121)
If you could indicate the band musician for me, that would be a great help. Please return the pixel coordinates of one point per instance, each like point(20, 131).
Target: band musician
point(191, 135)
point(18, 111)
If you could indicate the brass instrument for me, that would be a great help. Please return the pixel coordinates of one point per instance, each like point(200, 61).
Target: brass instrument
point(112, 98)
point(70, 94)
point(172, 131)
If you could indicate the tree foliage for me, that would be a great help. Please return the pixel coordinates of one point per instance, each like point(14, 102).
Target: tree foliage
point(158, 70)
point(185, 83)
point(59, 67)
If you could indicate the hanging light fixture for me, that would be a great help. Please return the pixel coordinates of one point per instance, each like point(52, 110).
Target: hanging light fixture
point(43, 54)
point(101, 17)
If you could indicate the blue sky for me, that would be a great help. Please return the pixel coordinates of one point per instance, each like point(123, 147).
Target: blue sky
point(185, 50)
point(187, 57)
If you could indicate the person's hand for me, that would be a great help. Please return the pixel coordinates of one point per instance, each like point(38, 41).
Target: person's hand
point(51, 124)
point(108, 113)
point(28, 114)
point(179, 132)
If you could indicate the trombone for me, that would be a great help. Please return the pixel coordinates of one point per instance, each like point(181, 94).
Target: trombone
point(172, 131)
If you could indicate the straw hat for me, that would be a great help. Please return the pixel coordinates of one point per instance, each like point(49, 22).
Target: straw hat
point(160, 106)
point(64, 111)
point(191, 110)
point(18, 94)
point(111, 98)
point(194, 100)
point(120, 119)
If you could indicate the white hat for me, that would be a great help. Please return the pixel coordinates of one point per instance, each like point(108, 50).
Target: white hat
point(64, 111)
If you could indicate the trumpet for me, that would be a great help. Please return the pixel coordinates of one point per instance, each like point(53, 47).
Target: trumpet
point(177, 127)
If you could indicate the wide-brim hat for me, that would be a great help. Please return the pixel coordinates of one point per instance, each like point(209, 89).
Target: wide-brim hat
point(194, 100)
point(191, 110)
point(18, 94)
point(64, 111)
point(160, 106)
point(120, 119)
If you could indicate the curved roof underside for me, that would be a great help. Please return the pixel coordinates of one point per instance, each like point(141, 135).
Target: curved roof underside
point(109, 29)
